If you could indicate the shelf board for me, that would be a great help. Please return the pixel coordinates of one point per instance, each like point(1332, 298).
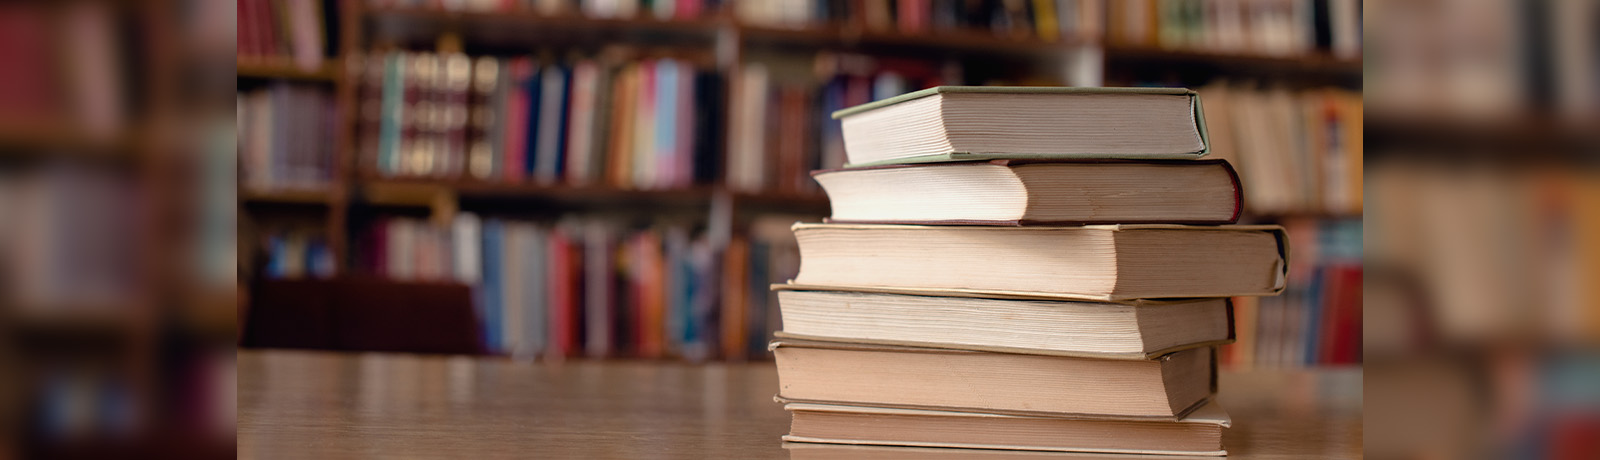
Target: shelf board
point(1250, 216)
point(64, 138)
point(1308, 64)
point(409, 192)
point(283, 68)
point(514, 28)
point(1530, 135)
point(288, 196)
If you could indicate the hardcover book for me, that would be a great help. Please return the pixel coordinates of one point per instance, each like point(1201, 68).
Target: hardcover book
point(1166, 388)
point(953, 123)
point(1095, 262)
point(1012, 192)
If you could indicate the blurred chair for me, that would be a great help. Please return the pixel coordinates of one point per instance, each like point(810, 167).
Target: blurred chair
point(362, 314)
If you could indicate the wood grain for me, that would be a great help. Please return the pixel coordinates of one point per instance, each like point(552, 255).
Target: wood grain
point(296, 404)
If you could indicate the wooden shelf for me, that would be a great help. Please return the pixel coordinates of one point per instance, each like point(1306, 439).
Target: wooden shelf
point(938, 41)
point(522, 28)
point(1252, 216)
point(407, 192)
point(1529, 135)
point(1308, 64)
point(321, 197)
point(282, 68)
point(62, 137)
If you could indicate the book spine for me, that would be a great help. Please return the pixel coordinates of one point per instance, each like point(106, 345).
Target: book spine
point(662, 159)
point(581, 127)
point(393, 111)
point(551, 113)
point(644, 125)
point(491, 292)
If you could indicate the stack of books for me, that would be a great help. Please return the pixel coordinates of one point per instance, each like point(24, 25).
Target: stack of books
point(1021, 268)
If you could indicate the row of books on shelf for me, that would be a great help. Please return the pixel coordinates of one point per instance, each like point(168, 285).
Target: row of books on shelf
point(1317, 320)
point(664, 10)
point(1296, 151)
point(286, 136)
point(1043, 19)
point(1260, 27)
point(296, 31)
point(296, 254)
point(595, 287)
point(780, 129)
point(645, 124)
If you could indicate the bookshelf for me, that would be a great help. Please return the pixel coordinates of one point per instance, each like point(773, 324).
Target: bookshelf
point(724, 43)
point(277, 69)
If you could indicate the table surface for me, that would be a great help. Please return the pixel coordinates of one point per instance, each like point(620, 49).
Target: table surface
point(298, 404)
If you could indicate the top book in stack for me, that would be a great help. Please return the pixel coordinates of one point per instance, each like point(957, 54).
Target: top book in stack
point(955, 123)
point(1057, 156)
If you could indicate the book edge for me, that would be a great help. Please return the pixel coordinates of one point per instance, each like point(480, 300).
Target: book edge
point(801, 439)
point(925, 92)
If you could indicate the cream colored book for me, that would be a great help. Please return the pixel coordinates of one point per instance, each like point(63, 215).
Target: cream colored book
point(1095, 262)
point(1121, 330)
point(1166, 388)
point(1199, 433)
point(955, 123)
point(1036, 192)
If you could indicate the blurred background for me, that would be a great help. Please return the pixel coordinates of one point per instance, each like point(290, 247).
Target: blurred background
point(549, 180)
point(1483, 229)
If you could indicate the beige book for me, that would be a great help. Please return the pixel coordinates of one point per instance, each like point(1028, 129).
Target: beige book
point(1123, 330)
point(954, 123)
point(1165, 388)
point(1015, 192)
point(1095, 262)
point(1200, 433)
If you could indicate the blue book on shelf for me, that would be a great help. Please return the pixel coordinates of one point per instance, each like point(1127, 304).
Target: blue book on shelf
point(551, 123)
point(1313, 301)
point(666, 131)
point(489, 294)
point(276, 248)
point(534, 88)
point(393, 105)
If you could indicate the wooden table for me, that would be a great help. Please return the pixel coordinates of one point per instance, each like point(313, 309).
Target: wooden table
point(295, 404)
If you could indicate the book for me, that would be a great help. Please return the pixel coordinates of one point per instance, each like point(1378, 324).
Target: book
point(953, 123)
point(1096, 262)
point(1166, 388)
point(1200, 433)
point(1010, 192)
point(1129, 330)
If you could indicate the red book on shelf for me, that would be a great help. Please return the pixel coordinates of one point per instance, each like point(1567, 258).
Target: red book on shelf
point(560, 319)
point(514, 154)
point(651, 295)
point(1343, 299)
point(246, 28)
point(687, 9)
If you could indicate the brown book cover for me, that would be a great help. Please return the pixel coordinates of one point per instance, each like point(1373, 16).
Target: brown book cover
point(1167, 388)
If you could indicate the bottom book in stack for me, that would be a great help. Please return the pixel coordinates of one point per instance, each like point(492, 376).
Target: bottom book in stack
point(950, 370)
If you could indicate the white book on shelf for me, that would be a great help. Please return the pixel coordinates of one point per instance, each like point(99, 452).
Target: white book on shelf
point(467, 232)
